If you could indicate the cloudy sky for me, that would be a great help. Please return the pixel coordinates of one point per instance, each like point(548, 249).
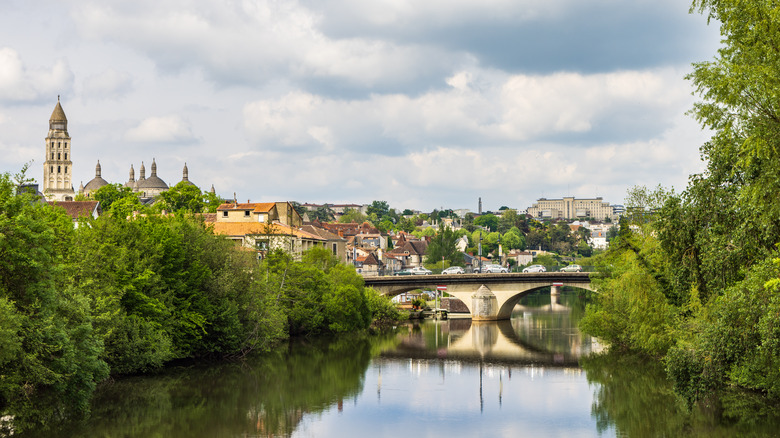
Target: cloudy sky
point(424, 104)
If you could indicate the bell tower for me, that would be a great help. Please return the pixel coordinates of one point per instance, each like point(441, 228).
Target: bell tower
point(58, 167)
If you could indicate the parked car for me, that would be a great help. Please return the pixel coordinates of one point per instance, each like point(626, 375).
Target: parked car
point(453, 270)
point(572, 268)
point(494, 269)
point(404, 272)
point(535, 268)
point(419, 270)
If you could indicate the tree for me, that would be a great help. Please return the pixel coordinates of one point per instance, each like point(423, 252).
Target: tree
point(183, 197)
point(489, 221)
point(352, 215)
point(380, 208)
point(323, 213)
point(442, 247)
point(111, 193)
point(48, 348)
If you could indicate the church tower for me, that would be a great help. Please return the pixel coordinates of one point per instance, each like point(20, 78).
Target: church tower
point(58, 167)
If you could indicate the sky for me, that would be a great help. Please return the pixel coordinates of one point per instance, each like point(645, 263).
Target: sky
point(423, 104)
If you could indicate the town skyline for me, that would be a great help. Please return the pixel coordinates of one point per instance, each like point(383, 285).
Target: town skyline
point(424, 106)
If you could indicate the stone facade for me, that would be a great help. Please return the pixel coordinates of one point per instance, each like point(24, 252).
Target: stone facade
point(571, 208)
point(58, 165)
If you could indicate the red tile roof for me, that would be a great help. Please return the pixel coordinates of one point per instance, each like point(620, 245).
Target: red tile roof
point(77, 209)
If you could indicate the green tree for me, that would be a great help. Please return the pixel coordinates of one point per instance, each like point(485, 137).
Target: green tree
point(183, 197)
point(352, 215)
point(442, 247)
point(489, 221)
point(49, 348)
point(380, 208)
point(111, 193)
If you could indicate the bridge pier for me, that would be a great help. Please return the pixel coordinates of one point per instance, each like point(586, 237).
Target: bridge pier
point(484, 305)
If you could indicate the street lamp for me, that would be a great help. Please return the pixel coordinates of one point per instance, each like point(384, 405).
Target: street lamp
point(480, 250)
point(499, 248)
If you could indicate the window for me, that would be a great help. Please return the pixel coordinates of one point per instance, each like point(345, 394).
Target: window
point(59, 156)
point(335, 249)
point(246, 213)
point(66, 169)
point(59, 169)
point(51, 169)
point(224, 214)
point(66, 155)
point(52, 155)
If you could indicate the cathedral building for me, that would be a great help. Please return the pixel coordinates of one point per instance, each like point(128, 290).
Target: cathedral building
point(58, 167)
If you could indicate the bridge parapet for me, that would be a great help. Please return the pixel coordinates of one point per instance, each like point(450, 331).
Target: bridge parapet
point(508, 288)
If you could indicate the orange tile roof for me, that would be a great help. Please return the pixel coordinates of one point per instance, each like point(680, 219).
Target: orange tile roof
point(248, 228)
point(260, 207)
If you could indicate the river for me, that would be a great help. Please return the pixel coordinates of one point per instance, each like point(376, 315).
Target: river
point(535, 375)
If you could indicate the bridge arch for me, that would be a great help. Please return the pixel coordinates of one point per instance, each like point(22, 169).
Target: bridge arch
point(508, 289)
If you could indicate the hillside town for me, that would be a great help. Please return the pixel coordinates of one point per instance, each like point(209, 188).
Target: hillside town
point(375, 238)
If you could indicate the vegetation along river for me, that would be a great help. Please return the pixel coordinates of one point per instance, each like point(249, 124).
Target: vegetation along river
point(535, 375)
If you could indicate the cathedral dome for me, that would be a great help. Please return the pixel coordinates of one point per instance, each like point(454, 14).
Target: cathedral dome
point(152, 185)
point(96, 182)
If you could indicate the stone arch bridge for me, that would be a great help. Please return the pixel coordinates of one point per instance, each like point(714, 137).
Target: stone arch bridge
point(488, 297)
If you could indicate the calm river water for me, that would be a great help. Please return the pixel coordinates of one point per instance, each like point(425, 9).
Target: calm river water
point(534, 375)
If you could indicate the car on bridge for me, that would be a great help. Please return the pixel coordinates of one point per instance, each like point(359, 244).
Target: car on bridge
point(453, 270)
point(572, 268)
point(494, 269)
point(535, 268)
point(417, 270)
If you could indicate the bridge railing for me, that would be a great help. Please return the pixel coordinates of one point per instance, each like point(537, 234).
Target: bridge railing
point(557, 268)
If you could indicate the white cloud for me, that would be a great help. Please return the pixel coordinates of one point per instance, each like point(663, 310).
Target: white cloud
point(168, 129)
point(248, 42)
point(109, 84)
point(515, 108)
point(19, 83)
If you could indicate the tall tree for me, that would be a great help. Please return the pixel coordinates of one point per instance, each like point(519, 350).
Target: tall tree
point(442, 247)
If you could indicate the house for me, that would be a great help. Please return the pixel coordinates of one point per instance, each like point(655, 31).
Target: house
point(263, 237)
point(598, 239)
point(391, 263)
point(522, 258)
point(260, 212)
point(369, 265)
point(79, 209)
point(462, 243)
point(333, 242)
point(412, 253)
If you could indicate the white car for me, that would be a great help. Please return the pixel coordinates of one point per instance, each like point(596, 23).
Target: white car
point(419, 270)
point(494, 269)
point(535, 268)
point(453, 270)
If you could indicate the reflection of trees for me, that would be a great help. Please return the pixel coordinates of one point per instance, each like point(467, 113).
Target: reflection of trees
point(634, 395)
point(263, 396)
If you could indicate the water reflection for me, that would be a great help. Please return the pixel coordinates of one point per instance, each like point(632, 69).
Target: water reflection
point(534, 376)
point(541, 332)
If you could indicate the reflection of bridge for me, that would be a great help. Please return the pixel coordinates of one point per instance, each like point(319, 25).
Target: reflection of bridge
point(485, 341)
point(487, 296)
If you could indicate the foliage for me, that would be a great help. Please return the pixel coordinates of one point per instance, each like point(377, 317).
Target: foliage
point(737, 341)
point(183, 197)
point(442, 247)
point(630, 310)
point(49, 349)
point(489, 221)
point(318, 294)
point(352, 215)
point(111, 193)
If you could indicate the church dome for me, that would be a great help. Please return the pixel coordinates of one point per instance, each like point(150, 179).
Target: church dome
point(153, 183)
point(96, 182)
point(185, 176)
